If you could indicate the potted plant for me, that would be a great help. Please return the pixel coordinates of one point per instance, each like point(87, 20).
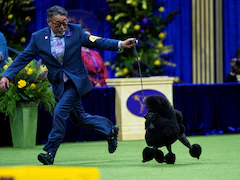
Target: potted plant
point(27, 90)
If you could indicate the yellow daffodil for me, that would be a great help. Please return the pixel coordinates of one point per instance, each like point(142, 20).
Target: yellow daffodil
point(134, 3)
point(125, 70)
point(45, 68)
point(161, 35)
point(29, 71)
point(118, 69)
point(10, 16)
point(161, 9)
point(5, 67)
point(159, 45)
point(33, 86)
point(108, 17)
point(139, 58)
point(176, 79)
point(107, 63)
point(129, 1)
point(137, 27)
point(157, 62)
point(119, 73)
point(28, 18)
point(23, 40)
point(22, 83)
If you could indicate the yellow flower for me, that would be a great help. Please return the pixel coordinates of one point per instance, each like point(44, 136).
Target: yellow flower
point(176, 79)
point(118, 69)
point(22, 83)
point(137, 27)
point(29, 71)
point(159, 45)
point(161, 35)
point(157, 62)
point(45, 67)
point(108, 17)
point(139, 58)
point(28, 18)
point(125, 70)
point(134, 3)
point(23, 40)
point(161, 9)
point(113, 66)
point(10, 16)
point(5, 67)
point(119, 73)
point(107, 63)
point(32, 86)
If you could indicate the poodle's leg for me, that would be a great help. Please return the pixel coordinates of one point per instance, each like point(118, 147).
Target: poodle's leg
point(183, 139)
point(170, 157)
point(169, 148)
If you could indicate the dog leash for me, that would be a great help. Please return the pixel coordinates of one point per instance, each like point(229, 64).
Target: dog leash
point(135, 53)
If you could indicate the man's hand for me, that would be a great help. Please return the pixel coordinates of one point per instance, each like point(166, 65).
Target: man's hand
point(128, 43)
point(4, 83)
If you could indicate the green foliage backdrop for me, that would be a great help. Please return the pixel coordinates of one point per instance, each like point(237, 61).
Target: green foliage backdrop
point(144, 20)
point(15, 18)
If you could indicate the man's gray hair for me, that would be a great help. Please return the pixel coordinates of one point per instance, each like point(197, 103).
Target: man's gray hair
point(55, 10)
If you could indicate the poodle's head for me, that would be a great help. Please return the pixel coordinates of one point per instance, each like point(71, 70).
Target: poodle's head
point(159, 104)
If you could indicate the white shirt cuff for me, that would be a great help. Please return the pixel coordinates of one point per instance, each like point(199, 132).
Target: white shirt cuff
point(120, 49)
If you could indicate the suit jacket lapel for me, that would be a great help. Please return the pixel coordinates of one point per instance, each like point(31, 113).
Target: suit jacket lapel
point(67, 42)
point(46, 44)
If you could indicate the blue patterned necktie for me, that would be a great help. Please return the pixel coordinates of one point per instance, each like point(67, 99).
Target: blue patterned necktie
point(59, 50)
point(60, 53)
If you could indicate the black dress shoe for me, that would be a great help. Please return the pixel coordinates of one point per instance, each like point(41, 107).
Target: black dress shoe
point(46, 159)
point(112, 139)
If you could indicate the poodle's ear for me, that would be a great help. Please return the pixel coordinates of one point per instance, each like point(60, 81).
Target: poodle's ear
point(147, 154)
point(195, 151)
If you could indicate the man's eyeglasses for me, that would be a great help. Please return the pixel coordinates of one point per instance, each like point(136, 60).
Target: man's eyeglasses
point(58, 23)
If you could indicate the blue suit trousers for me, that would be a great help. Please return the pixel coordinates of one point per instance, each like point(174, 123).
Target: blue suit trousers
point(70, 106)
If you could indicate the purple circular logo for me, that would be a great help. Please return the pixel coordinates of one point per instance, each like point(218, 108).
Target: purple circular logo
point(135, 102)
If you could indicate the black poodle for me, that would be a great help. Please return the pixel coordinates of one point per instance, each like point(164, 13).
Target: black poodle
point(163, 127)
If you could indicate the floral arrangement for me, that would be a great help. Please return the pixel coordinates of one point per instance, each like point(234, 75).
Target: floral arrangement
point(144, 20)
point(29, 85)
point(14, 22)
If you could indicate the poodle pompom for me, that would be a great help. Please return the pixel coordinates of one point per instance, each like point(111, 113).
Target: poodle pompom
point(170, 158)
point(148, 154)
point(159, 156)
point(195, 151)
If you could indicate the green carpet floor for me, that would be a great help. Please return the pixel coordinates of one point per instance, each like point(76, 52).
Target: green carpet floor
point(220, 159)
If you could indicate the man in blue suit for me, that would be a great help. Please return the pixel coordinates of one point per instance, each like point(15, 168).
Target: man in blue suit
point(3, 50)
point(59, 47)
